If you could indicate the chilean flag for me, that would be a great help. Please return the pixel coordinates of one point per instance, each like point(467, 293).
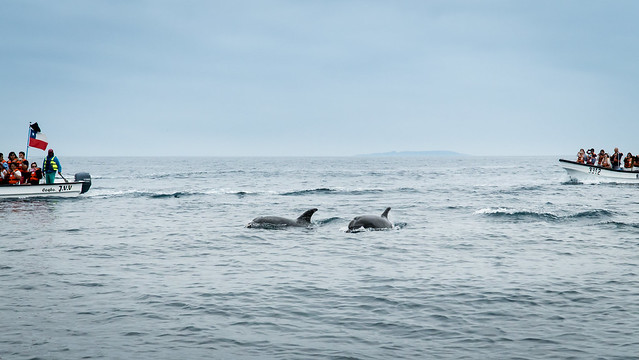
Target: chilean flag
point(36, 138)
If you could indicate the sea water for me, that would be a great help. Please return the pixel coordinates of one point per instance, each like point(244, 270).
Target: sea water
point(498, 257)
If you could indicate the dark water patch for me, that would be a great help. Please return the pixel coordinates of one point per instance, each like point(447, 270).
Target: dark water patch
point(134, 333)
point(177, 194)
point(591, 214)
point(181, 175)
point(26, 287)
point(319, 191)
point(399, 225)
point(85, 284)
point(329, 191)
point(531, 215)
point(87, 313)
point(541, 341)
point(144, 194)
point(243, 194)
point(522, 189)
point(408, 190)
point(16, 250)
point(572, 182)
point(621, 225)
point(72, 230)
point(322, 222)
point(503, 213)
point(191, 329)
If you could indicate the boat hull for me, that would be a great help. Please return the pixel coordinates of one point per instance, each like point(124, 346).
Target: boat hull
point(593, 173)
point(70, 189)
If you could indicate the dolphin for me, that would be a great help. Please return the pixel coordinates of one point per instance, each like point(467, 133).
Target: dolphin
point(371, 222)
point(303, 220)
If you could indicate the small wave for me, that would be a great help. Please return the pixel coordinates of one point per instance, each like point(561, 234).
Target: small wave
point(621, 225)
point(324, 191)
point(187, 175)
point(309, 192)
point(176, 194)
point(597, 213)
point(539, 215)
point(515, 214)
point(143, 194)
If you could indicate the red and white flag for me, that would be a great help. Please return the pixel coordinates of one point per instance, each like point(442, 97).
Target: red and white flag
point(36, 138)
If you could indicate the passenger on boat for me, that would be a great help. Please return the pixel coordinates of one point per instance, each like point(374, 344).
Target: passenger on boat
point(35, 174)
point(606, 161)
point(24, 171)
point(3, 161)
point(628, 162)
point(591, 157)
point(600, 159)
point(615, 159)
point(12, 158)
point(636, 162)
point(21, 158)
point(3, 175)
point(50, 166)
point(14, 174)
point(580, 157)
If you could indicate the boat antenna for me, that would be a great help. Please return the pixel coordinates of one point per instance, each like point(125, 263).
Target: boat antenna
point(26, 155)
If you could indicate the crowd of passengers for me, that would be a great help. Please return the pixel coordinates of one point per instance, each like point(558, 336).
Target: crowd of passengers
point(15, 170)
point(615, 161)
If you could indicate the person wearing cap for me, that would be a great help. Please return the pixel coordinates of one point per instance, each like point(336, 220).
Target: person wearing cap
point(50, 166)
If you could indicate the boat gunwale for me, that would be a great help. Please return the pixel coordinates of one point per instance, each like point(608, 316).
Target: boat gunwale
point(600, 167)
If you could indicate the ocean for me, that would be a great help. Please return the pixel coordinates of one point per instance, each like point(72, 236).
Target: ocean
point(489, 257)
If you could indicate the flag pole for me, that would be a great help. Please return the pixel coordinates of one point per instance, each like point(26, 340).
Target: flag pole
point(26, 156)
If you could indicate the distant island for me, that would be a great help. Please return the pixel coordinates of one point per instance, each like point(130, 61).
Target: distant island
point(417, 153)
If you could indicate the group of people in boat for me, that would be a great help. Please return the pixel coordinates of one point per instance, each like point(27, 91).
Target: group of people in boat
point(15, 170)
point(616, 161)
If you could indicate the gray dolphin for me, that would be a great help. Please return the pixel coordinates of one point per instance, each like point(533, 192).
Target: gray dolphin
point(276, 222)
point(371, 222)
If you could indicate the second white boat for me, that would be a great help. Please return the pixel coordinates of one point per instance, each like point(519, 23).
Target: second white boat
point(584, 172)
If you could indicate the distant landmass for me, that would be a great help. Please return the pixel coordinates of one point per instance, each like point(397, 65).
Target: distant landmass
point(417, 153)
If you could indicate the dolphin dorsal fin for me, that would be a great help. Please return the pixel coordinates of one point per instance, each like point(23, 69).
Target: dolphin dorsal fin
point(385, 213)
point(306, 216)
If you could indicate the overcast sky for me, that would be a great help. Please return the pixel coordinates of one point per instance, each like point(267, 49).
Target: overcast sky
point(245, 78)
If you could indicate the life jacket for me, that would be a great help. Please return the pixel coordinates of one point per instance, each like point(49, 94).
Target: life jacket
point(50, 161)
point(34, 175)
point(627, 163)
point(13, 178)
point(581, 160)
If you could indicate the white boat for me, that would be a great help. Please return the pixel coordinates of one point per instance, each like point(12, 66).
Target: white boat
point(593, 173)
point(60, 188)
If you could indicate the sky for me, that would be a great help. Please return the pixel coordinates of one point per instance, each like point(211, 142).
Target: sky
point(319, 78)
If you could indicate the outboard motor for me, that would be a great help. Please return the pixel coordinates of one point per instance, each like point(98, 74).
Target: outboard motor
point(85, 179)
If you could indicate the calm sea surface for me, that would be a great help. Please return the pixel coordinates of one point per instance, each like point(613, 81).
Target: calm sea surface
point(489, 258)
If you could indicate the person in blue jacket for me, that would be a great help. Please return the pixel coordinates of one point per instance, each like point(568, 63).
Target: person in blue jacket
point(50, 166)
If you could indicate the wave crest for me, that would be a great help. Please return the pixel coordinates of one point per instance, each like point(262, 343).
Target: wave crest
point(541, 215)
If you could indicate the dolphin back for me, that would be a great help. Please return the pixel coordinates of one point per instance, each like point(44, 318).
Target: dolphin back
point(371, 222)
point(305, 218)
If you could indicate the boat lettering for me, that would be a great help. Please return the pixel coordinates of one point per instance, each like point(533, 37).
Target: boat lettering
point(594, 170)
point(64, 188)
point(49, 189)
